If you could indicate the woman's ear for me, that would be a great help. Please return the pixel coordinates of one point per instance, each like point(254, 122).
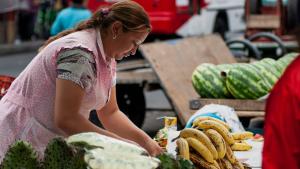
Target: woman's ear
point(117, 28)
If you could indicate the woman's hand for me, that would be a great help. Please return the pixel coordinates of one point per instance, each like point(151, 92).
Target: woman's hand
point(152, 147)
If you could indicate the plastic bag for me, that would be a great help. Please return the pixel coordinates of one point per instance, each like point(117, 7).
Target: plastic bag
point(221, 112)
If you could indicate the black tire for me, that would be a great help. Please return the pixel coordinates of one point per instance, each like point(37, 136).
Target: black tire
point(131, 101)
point(271, 37)
point(221, 26)
point(248, 45)
point(293, 14)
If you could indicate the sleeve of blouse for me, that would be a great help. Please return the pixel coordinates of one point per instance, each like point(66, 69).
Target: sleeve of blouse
point(78, 66)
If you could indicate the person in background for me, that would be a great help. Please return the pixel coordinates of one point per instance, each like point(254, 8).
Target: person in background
point(74, 73)
point(8, 13)
point(282, 121)
point(68, 18)
point(26, 20)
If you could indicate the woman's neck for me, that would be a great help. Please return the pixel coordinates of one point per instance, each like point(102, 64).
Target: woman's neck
point(105, 41)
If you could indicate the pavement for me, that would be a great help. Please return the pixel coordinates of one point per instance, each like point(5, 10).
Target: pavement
point(7, 49)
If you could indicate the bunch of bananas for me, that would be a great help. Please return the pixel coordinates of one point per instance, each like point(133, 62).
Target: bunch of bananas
point(209, 144)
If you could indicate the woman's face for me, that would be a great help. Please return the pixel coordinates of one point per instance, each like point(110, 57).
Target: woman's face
point(126, 43)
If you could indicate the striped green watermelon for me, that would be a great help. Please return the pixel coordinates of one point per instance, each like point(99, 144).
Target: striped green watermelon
point(272, 65)
point(225, 67)
point(208, 83)
point(284, 61)
point(267, 72)
point(245, 82)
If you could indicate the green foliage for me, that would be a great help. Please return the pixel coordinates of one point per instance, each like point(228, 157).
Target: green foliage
point(20, 155)
point(168, 162)
point(185, 164)
point(59, 155)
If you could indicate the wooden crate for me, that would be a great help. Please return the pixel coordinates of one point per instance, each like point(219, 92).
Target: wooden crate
point(237, 104)
point(244, 108)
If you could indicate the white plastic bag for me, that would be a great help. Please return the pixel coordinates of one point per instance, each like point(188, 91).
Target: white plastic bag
point(221, 112)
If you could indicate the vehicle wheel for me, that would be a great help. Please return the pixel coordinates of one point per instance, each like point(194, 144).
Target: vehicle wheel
point(221, 26)
point(131, 101)
point(252, 50)
point(293, 14)
point(273, 38)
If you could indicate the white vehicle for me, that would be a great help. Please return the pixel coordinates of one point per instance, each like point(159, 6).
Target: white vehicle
point(217, 16)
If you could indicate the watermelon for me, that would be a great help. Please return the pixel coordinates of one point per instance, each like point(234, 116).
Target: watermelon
point(267, 72)
point(272, 65)
point(225, 67)
point(245, 82)
point(208, 82)
point(284, 61)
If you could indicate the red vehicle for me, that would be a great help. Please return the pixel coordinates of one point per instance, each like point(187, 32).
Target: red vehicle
point(183, 17)
point(166, 17)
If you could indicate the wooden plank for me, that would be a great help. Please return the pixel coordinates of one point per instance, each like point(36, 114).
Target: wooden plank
point(238, 105)
point(263, 21)
point(138, 76)
point(174, 62)
point(250, 113)
point(132, 64)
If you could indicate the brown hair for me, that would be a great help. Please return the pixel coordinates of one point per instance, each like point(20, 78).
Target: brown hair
point(129, 13)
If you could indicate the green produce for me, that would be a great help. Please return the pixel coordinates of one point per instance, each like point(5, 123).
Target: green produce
point(168, 162)
point(208, 82)
point(59, 155)
point(244, 81)
point(20, 155)
point(284, 61)
point(266, 72)
point(272, 66)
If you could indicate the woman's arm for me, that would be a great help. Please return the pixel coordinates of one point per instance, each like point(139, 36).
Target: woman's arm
point(117, 122)
point(66, 114)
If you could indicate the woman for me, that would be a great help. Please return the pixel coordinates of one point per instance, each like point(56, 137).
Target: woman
point(73, 73)
point(282, 122)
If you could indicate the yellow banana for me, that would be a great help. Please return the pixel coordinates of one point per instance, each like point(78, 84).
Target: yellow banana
point(239, 165)
point(221, 164)
point(241, 146)
point(209, 124)
point(218, 141)
point(202, 118)
point(242, 135)
point(199, 162)
point(216, 164)
point(226, 163)
point(229, 154)
point(183, 148)
point(200, 136)
point(201, 149)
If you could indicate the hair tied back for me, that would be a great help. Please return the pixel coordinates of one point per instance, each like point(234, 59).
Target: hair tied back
point(105, 12)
